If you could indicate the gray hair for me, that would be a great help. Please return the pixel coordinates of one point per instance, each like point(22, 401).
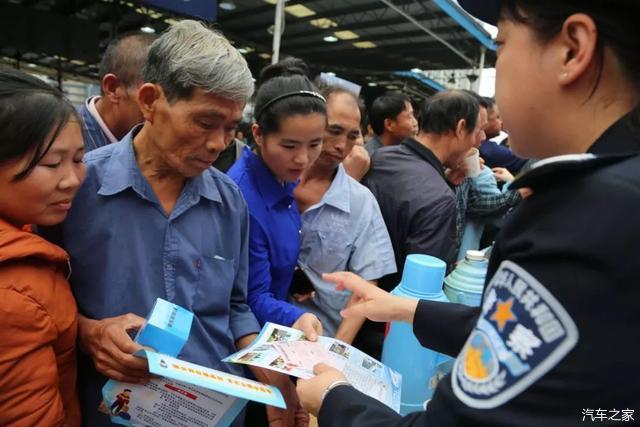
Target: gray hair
point(191, 56)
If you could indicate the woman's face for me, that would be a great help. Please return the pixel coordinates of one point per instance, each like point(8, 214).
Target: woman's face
point(44, 196)
point(525, 88)
point(294, 147)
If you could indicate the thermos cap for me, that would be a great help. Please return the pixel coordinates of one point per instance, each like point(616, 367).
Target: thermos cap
point(422, 276)
point(472, 255)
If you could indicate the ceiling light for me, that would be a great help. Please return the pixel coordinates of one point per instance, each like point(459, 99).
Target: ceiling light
point(364, 45)
point(147, 29)
point(227, 5)
point(323, 23)
point(264, 55)
point(330, 39)
point(299, 11)
point(393, 87)
point(346, 35)
point(245, 50)
point(373, 84)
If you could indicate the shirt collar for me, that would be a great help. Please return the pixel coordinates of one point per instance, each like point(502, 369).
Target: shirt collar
point(338, 195)
point(122, 172)
point(426, 154)
point(91, 107)
point(621, 137)
point(271, 190)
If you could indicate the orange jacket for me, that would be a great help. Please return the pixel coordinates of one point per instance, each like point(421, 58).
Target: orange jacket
point(38, 328)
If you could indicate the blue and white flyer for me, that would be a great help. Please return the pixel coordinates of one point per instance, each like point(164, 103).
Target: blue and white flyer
point(288, 351)
point(184, 394)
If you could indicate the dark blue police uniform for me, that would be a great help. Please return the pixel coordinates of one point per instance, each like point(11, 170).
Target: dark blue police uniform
point(555, 340)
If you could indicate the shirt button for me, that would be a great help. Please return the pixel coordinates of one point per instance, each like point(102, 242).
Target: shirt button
point(289, 207)
point(299, 231)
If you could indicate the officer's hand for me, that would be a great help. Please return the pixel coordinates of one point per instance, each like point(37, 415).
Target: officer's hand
point(370, 301)
point(310, 325)
point(108, 343)
point(311, 391)
point(357, 162)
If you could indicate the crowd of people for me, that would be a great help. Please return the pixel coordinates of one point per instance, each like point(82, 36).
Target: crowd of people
point(305, 216)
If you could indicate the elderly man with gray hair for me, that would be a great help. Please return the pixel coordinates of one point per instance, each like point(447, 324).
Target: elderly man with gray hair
point(153, 219)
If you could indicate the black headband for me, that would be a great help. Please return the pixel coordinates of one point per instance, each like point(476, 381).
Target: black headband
point(289, 95)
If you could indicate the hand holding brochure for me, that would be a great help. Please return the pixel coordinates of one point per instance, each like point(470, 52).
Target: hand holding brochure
point(184, 394)
point(288, 351)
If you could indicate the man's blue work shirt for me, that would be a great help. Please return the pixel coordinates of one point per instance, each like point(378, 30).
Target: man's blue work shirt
point(274, 239)
point(125, 252)
point(345, 231)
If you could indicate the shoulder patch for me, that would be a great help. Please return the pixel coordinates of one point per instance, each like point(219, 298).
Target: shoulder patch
point(521, 334)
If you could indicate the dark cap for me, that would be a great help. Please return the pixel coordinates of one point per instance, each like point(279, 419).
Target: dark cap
point(485, 10)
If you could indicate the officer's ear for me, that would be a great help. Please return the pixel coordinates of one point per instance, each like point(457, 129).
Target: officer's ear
point(148, 99)
point(576, 47)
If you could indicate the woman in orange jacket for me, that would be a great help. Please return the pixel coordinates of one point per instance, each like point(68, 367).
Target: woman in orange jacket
point(40, 171)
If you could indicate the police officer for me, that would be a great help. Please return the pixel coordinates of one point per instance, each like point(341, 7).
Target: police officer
point(555, 341)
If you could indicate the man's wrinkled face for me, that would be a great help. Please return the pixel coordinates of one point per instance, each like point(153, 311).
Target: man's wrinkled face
point(189, 134)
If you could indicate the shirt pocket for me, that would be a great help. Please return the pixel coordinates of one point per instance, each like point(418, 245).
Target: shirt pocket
point(329, 251)
point(216, 279)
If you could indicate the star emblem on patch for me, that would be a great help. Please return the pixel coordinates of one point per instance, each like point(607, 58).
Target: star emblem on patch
point(521, 334)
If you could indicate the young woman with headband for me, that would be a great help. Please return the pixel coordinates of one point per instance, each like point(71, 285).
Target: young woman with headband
point(290, 120)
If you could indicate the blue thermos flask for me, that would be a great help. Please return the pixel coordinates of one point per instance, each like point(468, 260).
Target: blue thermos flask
point(420, 367)
point(465, 284)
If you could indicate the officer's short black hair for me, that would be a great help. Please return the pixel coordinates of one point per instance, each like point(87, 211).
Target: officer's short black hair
point(442, 112)
point(615, 20)
point(387, 106)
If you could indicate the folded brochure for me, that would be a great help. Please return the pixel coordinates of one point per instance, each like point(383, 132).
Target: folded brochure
point(287, 350)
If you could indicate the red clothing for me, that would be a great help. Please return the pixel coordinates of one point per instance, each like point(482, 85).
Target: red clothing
point(38, 329)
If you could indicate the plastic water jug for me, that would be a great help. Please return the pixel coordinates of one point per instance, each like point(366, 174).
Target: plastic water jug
point(465, 284)
point(420, 367)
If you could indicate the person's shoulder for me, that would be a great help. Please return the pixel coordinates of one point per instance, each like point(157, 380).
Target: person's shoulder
point(226, 186)
point(387, 159)
point(101, 155)
point(588, 172)
point(360, 195)
point(576, 193)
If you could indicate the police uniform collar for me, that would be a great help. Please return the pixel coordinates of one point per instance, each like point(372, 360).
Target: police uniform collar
point(620, 141)
point(557, 169)
point(621, 137)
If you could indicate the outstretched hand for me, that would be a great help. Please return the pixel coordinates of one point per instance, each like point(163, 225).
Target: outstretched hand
point(370, 301)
